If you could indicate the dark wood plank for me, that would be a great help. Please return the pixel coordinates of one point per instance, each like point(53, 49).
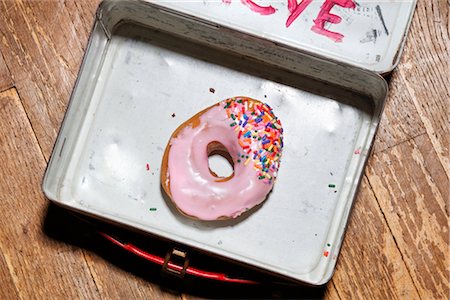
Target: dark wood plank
point(411, 187)
point(8, 289)
point(370, 265)
point(43, 51)
point(6, 81)
point(40, 266)
point(82, 16)
point(425, 72)
point(45, 42)
point(331, 291)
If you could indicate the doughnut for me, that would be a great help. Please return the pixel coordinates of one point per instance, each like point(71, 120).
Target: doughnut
point(241, 129)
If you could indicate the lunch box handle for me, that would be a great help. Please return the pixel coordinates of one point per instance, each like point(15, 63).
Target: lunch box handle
point(169, 266)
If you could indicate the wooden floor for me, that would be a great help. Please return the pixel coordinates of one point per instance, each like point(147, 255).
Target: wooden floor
point(397, 244)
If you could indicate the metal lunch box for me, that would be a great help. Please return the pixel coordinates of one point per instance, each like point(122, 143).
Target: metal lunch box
point(151, 65)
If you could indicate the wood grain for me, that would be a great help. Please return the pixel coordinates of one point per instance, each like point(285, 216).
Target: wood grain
point(400, 120)
point(39, 266)
point(425, 73)
point(411, 187)
point(42, 49)
point(36, 42)
point(6, 81)
point(82, 14)
point(331, 291)
point(370, 260)
point(397, 240)
point(410, 180)
point(8, 289)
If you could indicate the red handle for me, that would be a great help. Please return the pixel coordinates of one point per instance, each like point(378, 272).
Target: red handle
point(161, 261)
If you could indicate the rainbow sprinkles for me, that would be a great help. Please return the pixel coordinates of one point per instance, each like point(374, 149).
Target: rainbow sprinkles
point(259, 133)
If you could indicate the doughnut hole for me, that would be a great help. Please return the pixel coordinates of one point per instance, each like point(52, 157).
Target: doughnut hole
point(220, 162)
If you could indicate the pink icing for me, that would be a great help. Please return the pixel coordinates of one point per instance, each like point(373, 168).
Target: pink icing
point(194, 189)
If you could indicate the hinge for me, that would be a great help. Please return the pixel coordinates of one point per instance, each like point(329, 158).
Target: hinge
point(176, 262)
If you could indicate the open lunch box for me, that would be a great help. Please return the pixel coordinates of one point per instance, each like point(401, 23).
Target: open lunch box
point(151, 65)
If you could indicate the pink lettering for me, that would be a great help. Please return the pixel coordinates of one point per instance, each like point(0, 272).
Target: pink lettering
point(296, 9)
point(325, 16)
point(263, 10)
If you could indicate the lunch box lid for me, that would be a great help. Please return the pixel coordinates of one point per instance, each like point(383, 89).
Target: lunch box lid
point(369, 34)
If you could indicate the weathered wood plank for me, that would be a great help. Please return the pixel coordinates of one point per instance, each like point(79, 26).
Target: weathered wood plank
point(370, 265)
point(82, 15)
point(43, 43)
point(39, 266)
point(331, 292)
point(400, 120)
point(6, 81)
point(8, 289)
point(412, 190)
point(43, 51)
point(48, 39)
point(425, 72)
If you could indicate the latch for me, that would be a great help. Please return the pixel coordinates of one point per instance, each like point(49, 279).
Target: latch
point(176, 262)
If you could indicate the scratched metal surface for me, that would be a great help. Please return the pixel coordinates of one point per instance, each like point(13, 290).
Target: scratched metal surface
point(370, 35)
point(137, 84)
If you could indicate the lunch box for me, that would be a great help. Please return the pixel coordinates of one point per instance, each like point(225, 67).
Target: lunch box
point(151, 65)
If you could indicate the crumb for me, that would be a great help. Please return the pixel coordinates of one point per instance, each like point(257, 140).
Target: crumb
point(212, 90)
point(173, 115)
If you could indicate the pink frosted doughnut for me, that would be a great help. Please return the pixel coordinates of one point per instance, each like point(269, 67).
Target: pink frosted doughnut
point(244, 130)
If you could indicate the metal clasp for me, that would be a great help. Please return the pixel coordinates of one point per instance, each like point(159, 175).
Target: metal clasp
point(176, 262)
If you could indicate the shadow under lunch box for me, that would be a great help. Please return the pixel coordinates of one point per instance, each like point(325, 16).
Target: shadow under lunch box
point(150, 66)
